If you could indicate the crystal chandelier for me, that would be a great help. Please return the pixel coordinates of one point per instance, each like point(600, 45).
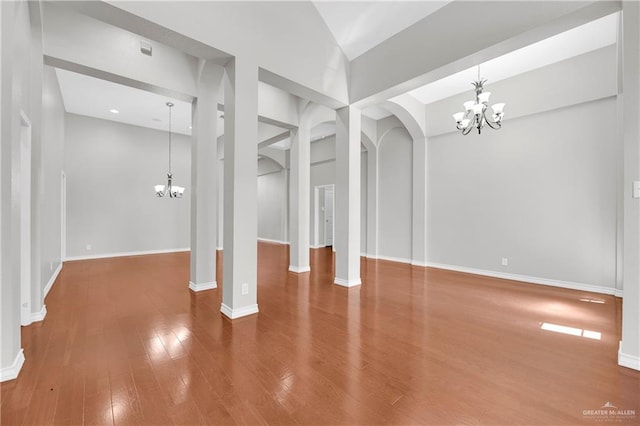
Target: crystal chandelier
point(475, 111)
point(173, 190)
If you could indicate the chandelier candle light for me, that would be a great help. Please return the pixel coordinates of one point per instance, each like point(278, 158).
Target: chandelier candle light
point(475, 111)
point(173, 190)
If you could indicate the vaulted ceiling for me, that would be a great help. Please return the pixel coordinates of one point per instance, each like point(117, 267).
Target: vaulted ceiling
point(357, 27)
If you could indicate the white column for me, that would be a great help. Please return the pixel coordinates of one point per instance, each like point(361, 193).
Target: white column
point(38, 309)
point(419, 207)
point(629, 355)
point(285, 204)
point(204, 180)
point(239, 295)
point(11, 354)
point(347, 200)
point(299, 203)
point(372, 202)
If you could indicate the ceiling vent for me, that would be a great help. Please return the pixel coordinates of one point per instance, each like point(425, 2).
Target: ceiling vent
point(145, 48)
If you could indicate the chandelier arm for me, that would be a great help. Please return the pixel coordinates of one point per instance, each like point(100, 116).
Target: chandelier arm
point(465, 131)
point(495, 125)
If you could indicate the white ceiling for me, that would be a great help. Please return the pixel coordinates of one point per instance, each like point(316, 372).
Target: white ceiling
point(94, 97)
point(359, 26)
point(585, 38)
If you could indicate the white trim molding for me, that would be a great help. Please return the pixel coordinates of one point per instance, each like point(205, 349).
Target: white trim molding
point(39, 316)
point(53, 279)
point(629, 361)
point(240, 312)
point(392, 259)
point(125, 254)
point(202, 286)
point(619, 293)
point(299, 269)
point(347, 283)
point(267, 240)
point(526, 279)
point(11, 372)
point(422, 263)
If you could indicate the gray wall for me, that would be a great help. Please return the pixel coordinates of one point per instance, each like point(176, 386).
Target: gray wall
point(53, 135)
point(395, 194)
point(271, 204)
point(111, 169)
point(541, 192)
point(323, 172)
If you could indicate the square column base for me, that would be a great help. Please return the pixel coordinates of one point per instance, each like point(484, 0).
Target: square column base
point(299, 269)
point(238, 313)
point(347, 283)
point(202, 286)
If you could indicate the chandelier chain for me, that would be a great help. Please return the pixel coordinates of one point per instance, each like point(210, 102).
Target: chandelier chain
point(170, 107)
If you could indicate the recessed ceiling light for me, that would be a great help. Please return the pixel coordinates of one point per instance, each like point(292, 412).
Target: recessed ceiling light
point(114, 111)
point(190, 127)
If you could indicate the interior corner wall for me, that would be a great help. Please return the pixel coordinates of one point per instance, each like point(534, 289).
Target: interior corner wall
point(540, 192)
point(111, 169)
point(53, 135)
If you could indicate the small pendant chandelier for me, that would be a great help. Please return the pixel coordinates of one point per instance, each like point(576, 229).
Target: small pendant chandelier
point(475, 111)
point(173, 190)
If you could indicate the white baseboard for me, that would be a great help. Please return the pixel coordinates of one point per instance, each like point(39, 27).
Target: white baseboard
point(267, 240)
point(629, 361)
point(202, 286)
point(525, 278)
point(299, 269)
point(347, 283)
point(619, 293)
point(239, 312)
point(39, 316)
point(52, 280)
point(219, 248)
point(394, 259)
point(422, 263)
point(11, 372)
point(124, 254)
point(316, 247)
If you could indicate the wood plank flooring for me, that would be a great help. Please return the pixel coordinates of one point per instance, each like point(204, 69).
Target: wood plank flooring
point(126, 342)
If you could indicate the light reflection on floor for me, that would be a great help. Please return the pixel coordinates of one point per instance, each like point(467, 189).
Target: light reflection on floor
point(556, 328)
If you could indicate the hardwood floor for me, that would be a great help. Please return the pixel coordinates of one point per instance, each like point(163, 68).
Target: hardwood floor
point(126, 342)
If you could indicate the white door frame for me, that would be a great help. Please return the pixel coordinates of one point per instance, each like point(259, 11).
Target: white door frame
point(318, 214)
point(331, 189)
point(63, 216)
point(25, 219)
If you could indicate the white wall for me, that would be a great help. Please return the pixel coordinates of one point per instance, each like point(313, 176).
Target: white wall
point(541, 192)
point(111, 169)
point(395, 194)
point(311, 64)
point(53, 135)
point(89, 42)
